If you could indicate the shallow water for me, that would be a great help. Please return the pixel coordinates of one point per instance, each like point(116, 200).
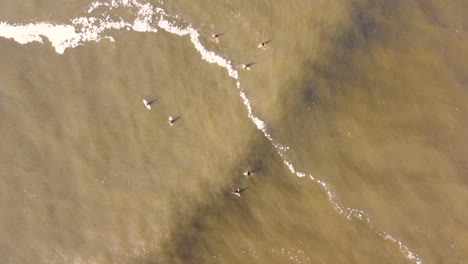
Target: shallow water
point(365, 100)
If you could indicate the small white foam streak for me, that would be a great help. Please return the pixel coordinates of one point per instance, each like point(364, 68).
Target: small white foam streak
point(408, 253)
point(91, 28)
point(352, 213)
point(93, 6)
point(290, 166)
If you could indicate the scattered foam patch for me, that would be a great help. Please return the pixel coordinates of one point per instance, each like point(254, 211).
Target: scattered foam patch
point(84, 29)
point(144, 19)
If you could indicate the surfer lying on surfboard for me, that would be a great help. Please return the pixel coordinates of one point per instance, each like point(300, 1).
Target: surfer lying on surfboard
point(263, 44)
point(247, 66)
point(148, 103)
point(171, 120)
point(238, 192)
point(248, 173)
point(215, 37)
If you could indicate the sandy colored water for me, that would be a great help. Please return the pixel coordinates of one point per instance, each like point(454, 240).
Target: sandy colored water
point(369, 96)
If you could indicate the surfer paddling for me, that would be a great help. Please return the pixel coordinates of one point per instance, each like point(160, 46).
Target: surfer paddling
point(247, 66)
point(215, 37)
point(238, 192)
point(171, 120)
point(148, 103)
point(249, 173)
point(263, 44)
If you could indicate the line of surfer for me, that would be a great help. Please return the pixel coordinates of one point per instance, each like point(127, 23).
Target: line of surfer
point(171, 120)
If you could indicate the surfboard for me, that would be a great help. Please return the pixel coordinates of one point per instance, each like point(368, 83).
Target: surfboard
point(170, 120)
point(146, 104)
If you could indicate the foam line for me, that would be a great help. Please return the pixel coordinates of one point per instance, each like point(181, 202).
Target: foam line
point(84, 29)
point(211, 57)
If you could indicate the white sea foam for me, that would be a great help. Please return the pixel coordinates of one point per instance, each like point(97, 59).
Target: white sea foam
point(93, 6)
point(85, 29)
point(144, 19)
point(290, 166)
point(61, 36)
point(82, 29)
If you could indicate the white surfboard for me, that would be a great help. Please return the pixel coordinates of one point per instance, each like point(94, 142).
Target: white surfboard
point(146, 104)
point(170, 121)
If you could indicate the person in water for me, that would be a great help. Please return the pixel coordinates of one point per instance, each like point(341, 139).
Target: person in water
point(238, 192)
point(248, 173)
point(148, 103)
point(263, 44)
point(245, 67)
point(215, 37)
point(171, 121)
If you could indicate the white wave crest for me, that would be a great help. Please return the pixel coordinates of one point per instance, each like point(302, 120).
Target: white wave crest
point(61, 36)
point(81, 29)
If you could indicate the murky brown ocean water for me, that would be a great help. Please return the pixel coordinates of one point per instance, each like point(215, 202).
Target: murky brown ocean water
point(371, 97)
